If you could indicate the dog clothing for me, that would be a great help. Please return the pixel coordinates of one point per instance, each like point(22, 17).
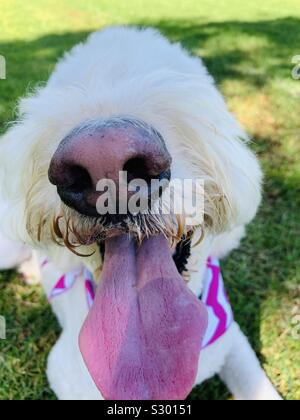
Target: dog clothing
point(214, 296)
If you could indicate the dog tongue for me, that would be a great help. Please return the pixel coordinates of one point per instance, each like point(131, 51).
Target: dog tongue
point(143, 335)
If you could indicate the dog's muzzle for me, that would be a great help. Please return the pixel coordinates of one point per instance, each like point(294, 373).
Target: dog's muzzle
point(101, 150)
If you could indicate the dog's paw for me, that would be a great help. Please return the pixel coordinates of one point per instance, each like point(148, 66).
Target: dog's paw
point(30, 270)
point(67, 375)
point(266, 392)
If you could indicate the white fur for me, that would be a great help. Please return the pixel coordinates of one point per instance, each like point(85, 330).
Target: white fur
point(16, 255)
point(12, 254)
point(122, 71)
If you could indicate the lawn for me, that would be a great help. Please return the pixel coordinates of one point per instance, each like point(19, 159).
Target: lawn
point(248, 47)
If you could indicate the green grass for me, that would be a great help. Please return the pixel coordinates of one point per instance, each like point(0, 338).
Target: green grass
point(248, 47)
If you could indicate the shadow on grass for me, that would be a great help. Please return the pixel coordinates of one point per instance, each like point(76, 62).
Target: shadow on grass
point(268, 43)
point(225, 47)
point(231, 50)
point(29, 64)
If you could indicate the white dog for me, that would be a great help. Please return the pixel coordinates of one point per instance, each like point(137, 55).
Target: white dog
point(128, 100)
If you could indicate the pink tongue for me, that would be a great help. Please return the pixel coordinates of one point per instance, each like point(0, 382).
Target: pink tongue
point(143, 335)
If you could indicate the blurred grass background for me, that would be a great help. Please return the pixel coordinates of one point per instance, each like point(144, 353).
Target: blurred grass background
point(248, 47)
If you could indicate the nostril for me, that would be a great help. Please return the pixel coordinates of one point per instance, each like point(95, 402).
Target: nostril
point(136, 168)
point(80, 180)
point(75, 188)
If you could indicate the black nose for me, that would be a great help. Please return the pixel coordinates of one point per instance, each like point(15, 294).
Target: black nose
point(87, 156)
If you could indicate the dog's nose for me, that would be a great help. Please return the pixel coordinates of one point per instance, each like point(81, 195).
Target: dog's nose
point(101, 150)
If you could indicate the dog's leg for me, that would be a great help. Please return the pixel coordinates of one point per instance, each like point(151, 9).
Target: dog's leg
point(66, 371)
point(243, 374)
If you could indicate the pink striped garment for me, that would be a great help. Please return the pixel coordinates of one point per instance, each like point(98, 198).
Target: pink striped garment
point(67, 281)
point(214, 296)
point(220, 315)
